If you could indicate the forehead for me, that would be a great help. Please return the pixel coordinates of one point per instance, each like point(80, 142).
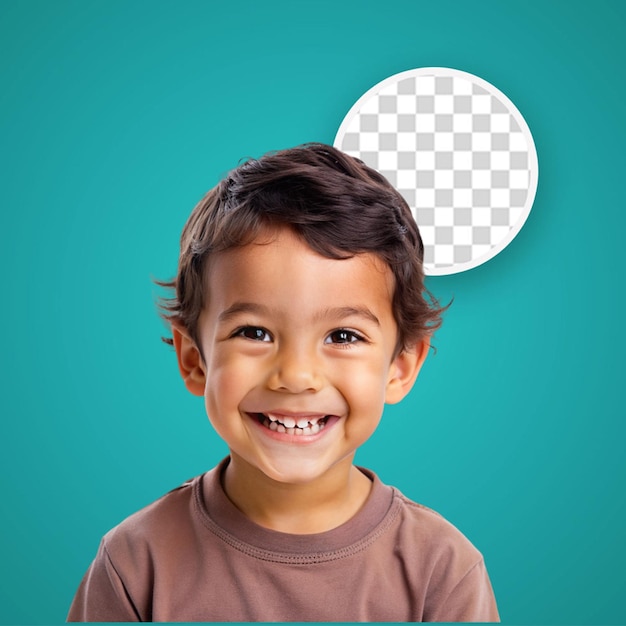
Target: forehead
point(282, 271)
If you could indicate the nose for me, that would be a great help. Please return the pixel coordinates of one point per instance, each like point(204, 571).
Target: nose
point(296, 369)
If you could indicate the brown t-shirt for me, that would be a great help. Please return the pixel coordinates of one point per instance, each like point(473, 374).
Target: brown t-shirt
point(193, 556)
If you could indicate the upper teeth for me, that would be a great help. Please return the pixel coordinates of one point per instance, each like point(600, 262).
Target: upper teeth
point(292, 422)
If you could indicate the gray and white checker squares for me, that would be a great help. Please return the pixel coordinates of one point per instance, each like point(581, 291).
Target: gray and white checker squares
point(459, 152)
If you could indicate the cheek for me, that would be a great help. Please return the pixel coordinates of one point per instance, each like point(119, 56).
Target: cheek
point(364, 390)
point(229, 378)
point(222, 396)
point(219, 393)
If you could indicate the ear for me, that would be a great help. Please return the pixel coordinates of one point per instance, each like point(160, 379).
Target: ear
point(404, 370)
point(190, 361)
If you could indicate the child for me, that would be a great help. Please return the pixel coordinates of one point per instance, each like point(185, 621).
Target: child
point(299, 311)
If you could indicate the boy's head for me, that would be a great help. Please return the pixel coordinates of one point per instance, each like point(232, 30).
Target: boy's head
point(299, 309)
point(335, 203)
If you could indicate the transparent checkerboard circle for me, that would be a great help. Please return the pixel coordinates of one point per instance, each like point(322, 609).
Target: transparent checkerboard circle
point(459, 152)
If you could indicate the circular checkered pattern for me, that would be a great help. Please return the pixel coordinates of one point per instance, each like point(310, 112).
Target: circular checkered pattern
point(459, 152)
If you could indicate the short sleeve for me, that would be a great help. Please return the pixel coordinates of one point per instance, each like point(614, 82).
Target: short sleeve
point(101, 596)
point(470, 600)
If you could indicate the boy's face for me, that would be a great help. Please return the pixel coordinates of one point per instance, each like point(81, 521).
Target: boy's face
point(298, 355)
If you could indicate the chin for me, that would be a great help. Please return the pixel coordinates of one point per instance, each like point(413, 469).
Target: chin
point(290, 475)
point(298, 470)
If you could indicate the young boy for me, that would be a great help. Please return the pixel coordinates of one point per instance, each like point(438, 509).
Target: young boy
point(299, 311)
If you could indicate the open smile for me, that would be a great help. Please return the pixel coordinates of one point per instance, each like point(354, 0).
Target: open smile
point(299, 425)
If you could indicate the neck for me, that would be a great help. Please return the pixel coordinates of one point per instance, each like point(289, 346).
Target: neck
point(313, 507)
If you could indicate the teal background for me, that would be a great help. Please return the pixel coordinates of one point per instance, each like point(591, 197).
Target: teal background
point(116, 117)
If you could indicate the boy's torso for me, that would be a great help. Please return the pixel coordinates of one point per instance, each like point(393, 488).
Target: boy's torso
point(192, 556)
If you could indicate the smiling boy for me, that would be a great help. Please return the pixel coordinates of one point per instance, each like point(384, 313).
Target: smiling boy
point(299, 312)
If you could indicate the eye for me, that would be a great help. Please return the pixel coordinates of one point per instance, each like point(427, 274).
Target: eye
point(343, 336)
point(253, 332)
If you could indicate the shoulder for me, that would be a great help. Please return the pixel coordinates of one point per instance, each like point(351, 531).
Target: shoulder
point(441, 573)
point(430, 547)
point(119, 583)
point(426, 520)
point(158, 523)
point(436, 539)
point(446, 564)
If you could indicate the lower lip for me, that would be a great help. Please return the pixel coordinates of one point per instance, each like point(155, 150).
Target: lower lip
point(294, 439)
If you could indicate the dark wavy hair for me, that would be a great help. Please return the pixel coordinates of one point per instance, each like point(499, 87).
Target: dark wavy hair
point(334, 202)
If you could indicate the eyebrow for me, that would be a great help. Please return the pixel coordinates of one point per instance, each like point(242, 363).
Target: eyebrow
point(337, 313)
point(242, 307)
point(348, 311)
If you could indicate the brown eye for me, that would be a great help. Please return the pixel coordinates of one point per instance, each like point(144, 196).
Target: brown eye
point(343, 336)
point(254, 333)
